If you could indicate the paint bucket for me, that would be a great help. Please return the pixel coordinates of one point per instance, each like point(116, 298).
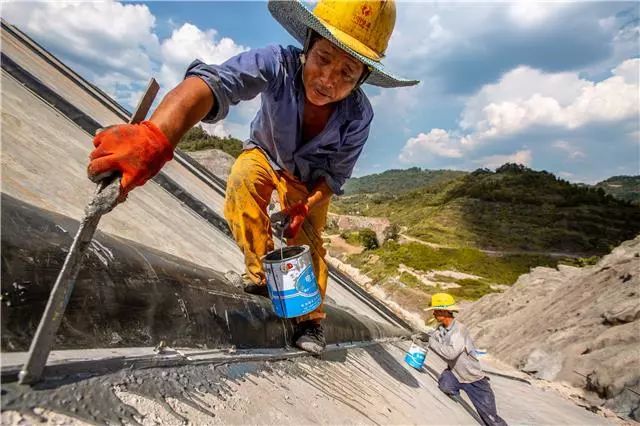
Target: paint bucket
point(292, 285)
point(415, 356)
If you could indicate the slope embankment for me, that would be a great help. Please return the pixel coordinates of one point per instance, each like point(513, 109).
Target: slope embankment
point(575, 325)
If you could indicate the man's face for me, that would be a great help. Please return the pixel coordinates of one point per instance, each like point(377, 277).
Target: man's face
point(441, 315)
point(329, 74)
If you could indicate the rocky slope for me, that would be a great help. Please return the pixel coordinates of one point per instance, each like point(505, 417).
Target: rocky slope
point(352, 223)
point(575, 325)
point(216, 161)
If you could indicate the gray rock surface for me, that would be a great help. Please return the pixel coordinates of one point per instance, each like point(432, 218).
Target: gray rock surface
point(574, 325)
point(216, 161)
point(348, 223)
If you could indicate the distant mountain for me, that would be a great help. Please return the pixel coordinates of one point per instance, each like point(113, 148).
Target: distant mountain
point(513, 208)
point(396, 181)
point(622, 187)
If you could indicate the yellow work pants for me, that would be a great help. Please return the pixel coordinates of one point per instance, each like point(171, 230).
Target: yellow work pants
point(249, 188)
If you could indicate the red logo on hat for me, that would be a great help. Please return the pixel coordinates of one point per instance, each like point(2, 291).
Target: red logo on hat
point(366, 10)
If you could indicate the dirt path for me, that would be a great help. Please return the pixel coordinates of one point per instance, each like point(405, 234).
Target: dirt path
point(339, 245)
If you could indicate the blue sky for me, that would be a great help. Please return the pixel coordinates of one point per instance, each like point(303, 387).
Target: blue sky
point(553, 85)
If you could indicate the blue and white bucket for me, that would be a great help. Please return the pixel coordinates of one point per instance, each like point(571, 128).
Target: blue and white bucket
point(415, 356)
point(292, 285)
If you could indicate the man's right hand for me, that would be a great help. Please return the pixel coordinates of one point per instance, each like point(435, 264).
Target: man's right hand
point(136, 151)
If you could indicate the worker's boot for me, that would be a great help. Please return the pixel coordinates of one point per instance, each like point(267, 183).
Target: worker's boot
point(310, 337)
point(243, 282)
point(258, 290)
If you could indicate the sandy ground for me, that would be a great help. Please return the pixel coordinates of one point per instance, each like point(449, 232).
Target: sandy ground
point(338, 246)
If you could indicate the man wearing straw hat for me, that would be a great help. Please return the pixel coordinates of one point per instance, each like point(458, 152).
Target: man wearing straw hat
point(305, 139)
point(451, 340)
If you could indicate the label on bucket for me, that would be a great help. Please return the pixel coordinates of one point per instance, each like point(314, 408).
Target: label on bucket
point(293, 288)
point(415, 357)
point(306, 282)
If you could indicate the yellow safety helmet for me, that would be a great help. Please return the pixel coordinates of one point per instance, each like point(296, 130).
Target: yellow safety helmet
point(364, 26)
point(443, 301)
point(361, 28)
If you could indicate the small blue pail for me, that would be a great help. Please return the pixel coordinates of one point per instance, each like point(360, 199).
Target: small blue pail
point(292, 285)
point(415, 356)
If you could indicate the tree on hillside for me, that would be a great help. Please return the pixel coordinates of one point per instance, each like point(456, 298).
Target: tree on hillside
point(512, 168)
point(392, 233)
point(369, 239)
point(482, 171)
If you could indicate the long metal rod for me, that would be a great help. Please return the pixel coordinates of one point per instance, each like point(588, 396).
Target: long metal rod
point(119, 358)
point(104, 200)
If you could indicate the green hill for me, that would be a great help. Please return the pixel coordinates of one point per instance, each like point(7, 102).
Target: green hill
point(197, 139)
point(395, 181)
point(623, 188)
point(514, 208)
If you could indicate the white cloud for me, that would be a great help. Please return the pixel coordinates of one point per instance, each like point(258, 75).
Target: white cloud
point(188, 43)
point(216, 129)
point(428, 32)
point(629, 70)
point(625, 28)
point(518, 86)
point(115, 46)
point(396, 103)
point(436, 142)
point(494, 161)
point(529, 14)
point(419, 31)
point(525, 97)
point(572, 152)
point(98, 37)
point(529, 113)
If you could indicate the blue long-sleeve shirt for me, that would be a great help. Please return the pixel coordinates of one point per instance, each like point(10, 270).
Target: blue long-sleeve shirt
point(274, 72)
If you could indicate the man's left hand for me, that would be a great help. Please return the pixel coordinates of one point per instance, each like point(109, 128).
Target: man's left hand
point(422, 336)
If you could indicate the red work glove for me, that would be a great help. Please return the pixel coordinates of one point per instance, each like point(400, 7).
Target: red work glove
point(137, 151)
point(293, 216)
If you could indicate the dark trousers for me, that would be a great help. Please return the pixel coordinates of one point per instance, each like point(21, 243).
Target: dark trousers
point(479, 393)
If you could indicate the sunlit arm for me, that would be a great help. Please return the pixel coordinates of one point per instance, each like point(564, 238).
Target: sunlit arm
point(184, 106)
